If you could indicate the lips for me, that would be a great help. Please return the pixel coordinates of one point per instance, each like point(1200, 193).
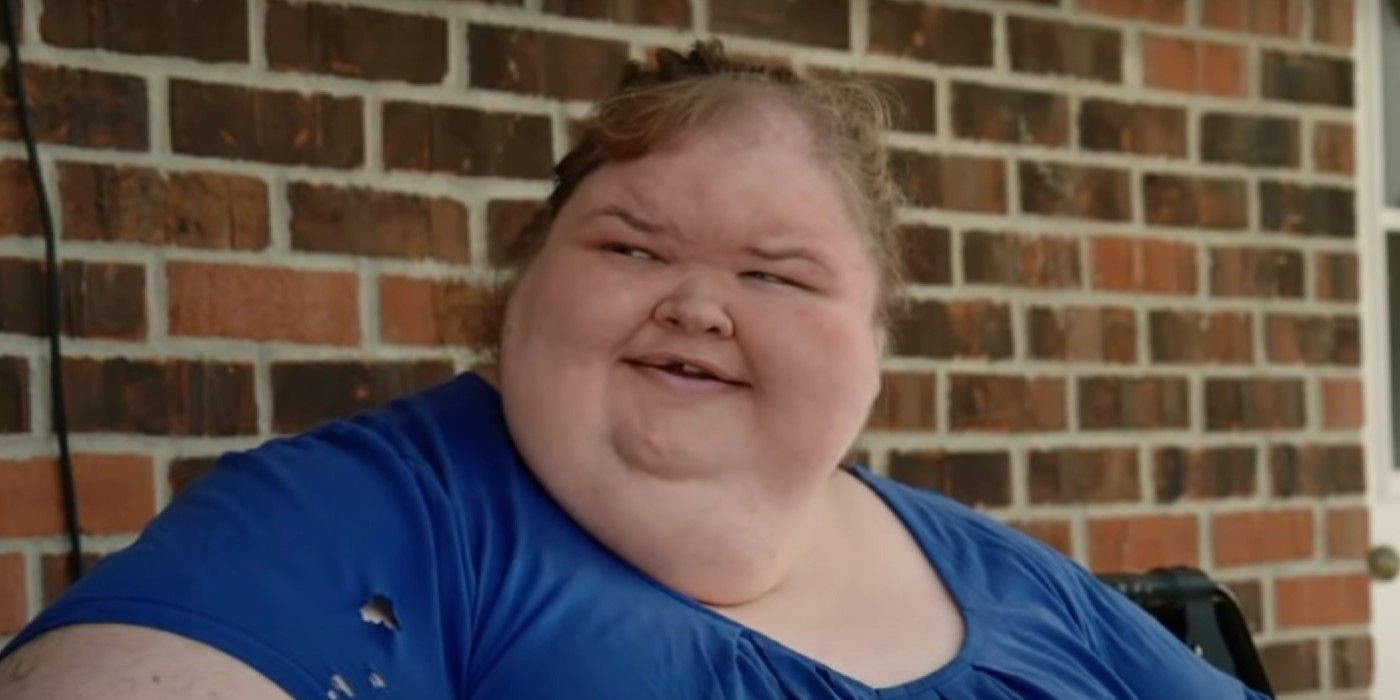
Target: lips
point(686, 367)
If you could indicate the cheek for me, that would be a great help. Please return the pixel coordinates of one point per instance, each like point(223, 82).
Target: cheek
point(818, 356)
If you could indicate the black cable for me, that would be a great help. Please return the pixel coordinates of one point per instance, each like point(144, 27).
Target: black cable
point(52, 297)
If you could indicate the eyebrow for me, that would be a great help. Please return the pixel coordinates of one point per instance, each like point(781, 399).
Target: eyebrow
point(633, 220)
point(787, 253)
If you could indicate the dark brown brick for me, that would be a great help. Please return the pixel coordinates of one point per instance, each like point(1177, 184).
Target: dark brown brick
point(307, 393)
point(1266, 17)
point(1078, 191)
point(665, 13)
point(355, 42)
point(943, 329)
point(204, 30)
point(1084, 476)
point(543, 63)
point(1293, 667)
point(19, 208)
point(1353, 662)
point(360, 221)
point(941, 35)
point(14, 395)
point(1333, 21)
point(506, 221)
point(100, 300)
point(1002, 403)
point(1008, 115)
point(907, 401)
point(1254, 403)
point(160, 397)
point(1187, 336)
point(142, 205)
point(817, 22)
point(1188, 201)
point(1082, 334)
point(1307, 209)
point(275, 126)
point(1249, 593)
point(1317, 470)
point(1057, 48)
point(1142, 129)
point(1337, 276)
point(1163, 11)
point(1204, 473)
point(914, 100)
point(77, 107)
point(1334, 148)
point(928, 257)
point(1045, 262)
point(1305, 78)
point(466, 141)
point(54, 576)
point(1054, 532)
point(963, 183)
point(975, 478)
point(1313, 340)
point(1133, 403)
point(1249, 140)
point(187, 470)
point(1256, 272)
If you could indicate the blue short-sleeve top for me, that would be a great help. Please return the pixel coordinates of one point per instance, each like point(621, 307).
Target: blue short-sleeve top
point(409, 553)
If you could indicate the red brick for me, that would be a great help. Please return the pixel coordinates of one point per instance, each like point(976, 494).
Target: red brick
point(1044, 262)
point(815, 22)
point(543, 63)
point(1292, 666)
point(1255, 403)
point(1133, 403)
point(1348, 533)
point(1183, 65)
point(1164, 11)
point(928, 256)
point(1142, 129)
point(19, 208)
point(1334, 148)
point(1188, 201)
point(263, 303)
point(1204, 473)
point(1353, 662)
point(1343, 405)
point(1337, 277)
point(1055, 533)
point(186, 470)
point(1313, 339)
point(1262, 537)
point(666, 13)
point(1256, 272)
point(116, 494)
point(1320, 210)
point(963, 183)
point(1077, 191)
point(1056, 48)
point(1008, 115)
point(947, 329)
point(204, 31)
point(1317, 470)
point(159, 397)
point(1006, 404)
point(307, 393)
point(1267, 17)
point(414, 311)
point(908, 401)
point(77, 107)
point(100, 300)
point(507, 224)
point(1074, 475)
point(1306, 78)
point(14, 593)
point(1082, 334)
point(14, 395)
point(1333, 21)
point(361, 221)
point(1143, 542)
point(941, 35)
point(355, 42)
point(1322, 600)
point(1123, 264)
point(274, 126)
point(466, 141)
point(1249, 140)
point(981, 479)
point(1197, 337)
point(130, 204)
point(55, 576)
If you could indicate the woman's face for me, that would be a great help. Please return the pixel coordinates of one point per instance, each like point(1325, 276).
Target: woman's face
point(704, 312)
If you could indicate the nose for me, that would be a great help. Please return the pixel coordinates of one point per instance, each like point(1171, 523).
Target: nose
point(694, 308)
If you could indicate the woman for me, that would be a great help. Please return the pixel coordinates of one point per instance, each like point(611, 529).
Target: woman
point(649, 507)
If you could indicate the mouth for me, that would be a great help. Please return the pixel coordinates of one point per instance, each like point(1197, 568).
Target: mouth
point(685, 368)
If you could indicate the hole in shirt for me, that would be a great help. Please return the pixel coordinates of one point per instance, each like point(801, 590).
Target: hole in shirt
point(377, 681)
point(379, 611)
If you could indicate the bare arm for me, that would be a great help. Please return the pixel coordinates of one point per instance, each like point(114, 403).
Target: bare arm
point(126, 662)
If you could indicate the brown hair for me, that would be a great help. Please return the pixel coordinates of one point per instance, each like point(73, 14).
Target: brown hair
point(684, 91)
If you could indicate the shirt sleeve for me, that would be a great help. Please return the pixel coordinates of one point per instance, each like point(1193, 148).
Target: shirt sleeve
point(329, 562)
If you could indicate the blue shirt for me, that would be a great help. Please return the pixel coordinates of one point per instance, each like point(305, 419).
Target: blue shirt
point(408, 553)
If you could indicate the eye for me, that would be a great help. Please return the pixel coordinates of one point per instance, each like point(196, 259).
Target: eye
point(631, 251)
point(771, 278)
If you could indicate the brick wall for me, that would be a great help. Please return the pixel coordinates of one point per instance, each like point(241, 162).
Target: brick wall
point(1132, 231)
